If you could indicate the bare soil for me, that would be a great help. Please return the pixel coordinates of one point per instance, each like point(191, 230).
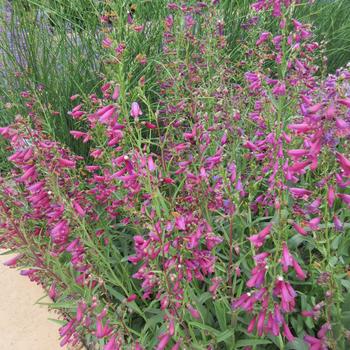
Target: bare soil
point(24, 325)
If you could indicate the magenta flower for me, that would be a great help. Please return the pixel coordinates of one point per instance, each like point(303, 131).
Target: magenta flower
point(319, 343)
point(344, 163)
point(279, 89)
point(298, 270)
point(102, 330)
point(194, 312)
point(260, 323)
point(299, 229)
point(164, 340)
point(287, 333)
point(79, 210)
point(66, 163)
point(331, 196)
point(287, 294)
point(131, 298)
point(106, 117)
point(53, 291)
point(257, 276)
point(344, 102)
point(251, 325)
point(337, 223)
point(29, 173)
point(116, 92)
point(107, 42)
point(287, 259)
point(169, 21)
point(151, 165)
point(112, 344)
point(345, 198)
point(263, 37)
point(135, 111)
point(259, 239)
point(60, 232)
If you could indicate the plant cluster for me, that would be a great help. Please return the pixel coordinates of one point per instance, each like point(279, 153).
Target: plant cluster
point(211, 210)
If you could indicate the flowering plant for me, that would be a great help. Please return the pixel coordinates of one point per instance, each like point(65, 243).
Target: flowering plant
point(212, 216)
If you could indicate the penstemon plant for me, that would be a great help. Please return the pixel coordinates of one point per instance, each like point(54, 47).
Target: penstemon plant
point(212, 209)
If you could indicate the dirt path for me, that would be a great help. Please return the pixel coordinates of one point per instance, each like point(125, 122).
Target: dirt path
point(23, 325)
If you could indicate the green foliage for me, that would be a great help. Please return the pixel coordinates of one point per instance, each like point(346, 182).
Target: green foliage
point(53, 50)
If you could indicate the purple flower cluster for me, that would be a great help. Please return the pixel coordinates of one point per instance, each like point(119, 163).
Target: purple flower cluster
point(227, 193)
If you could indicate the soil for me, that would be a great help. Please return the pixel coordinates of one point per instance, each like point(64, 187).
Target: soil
point(24, 325)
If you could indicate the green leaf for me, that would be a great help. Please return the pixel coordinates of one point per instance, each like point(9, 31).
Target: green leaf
point(225, 335)
point(345, 318)
point(297, 344)
point(152, 322)
point(204, 327)
point(252, 342)
point(346, 284)
point(66, 305)
point(220, 314)
point(336, 242)
point(59, 322)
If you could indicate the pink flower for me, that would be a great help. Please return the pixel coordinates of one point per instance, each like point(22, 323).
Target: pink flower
point(180, 223)
point(314, 343)
point(344, 102)
point(345, 198)
point(164, 340)
point(111, 345)
point(287, 333)
point(263, 37)
point(298, 270)
point(300, 192)
point(80, 211)
point(301, 128)
point(260, 322)
point(60, 232)
point(315, 108)
point(176, 346)
point(66, 163)
point(287, 294)
point(169, 21)
point(279, 89)
point(215, 282)
point(257, 276)
point(116, 92)
point(330, 196)
point(13, 261)
point(337, 223)
point(106, 43)
point(53, 292)
point(80, 311)
point(313, 223)
point(103, 110)
point(135, 111)
point(151, 165)
point(77, 134)
point(251, 325)
point(102, 330)
point(105, 87)
point(106, 117)
point(259, 239)
point(299, 229)
point(344, 163)
point(150, 125)
point(287, 259)
point(319, 343)
point(30, 172)
point(194, 313)
point(66, 328)
point(131, 298)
